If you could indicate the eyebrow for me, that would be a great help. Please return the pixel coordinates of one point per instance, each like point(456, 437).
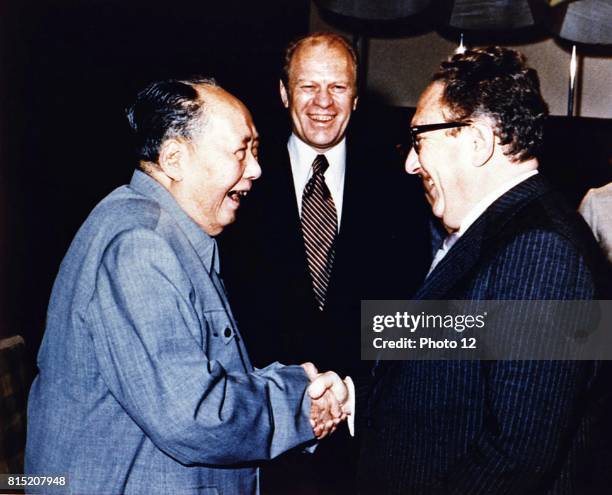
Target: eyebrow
point(340, 81)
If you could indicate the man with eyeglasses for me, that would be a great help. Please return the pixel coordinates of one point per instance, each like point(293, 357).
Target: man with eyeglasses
point(484, 427)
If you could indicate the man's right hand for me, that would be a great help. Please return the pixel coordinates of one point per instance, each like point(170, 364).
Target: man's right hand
point(329, 398)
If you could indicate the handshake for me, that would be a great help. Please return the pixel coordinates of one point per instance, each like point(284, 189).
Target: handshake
point(331, 400)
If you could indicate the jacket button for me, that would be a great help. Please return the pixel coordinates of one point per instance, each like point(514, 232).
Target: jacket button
point(227, 332)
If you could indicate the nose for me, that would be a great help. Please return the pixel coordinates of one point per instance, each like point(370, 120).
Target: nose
point(323, 98)
point(252, 170)
point(412, 165)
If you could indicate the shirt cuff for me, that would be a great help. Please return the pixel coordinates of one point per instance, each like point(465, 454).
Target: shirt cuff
point(350, 420)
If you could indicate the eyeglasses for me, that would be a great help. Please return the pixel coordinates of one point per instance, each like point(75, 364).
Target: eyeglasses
point(419, 129)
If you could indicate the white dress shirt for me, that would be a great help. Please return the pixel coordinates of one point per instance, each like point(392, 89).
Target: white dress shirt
point(475, 213)
point(301, 156)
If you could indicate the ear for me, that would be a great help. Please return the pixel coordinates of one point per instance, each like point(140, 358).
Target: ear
point(284, 94)
point(172, 159)
point(483, 144)
point(355, 99)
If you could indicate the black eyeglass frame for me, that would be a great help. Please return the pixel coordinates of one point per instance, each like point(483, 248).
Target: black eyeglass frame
point(419, 129)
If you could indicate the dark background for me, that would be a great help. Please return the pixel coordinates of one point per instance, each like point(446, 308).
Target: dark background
point(68, 69)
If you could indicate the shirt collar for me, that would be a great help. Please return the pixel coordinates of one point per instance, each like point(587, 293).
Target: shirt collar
point(489, 199)
point(204, 244)
point(302, 156)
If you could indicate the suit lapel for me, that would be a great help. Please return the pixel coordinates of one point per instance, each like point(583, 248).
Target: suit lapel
point(466, 253)
point(285, 230)
point(349, 236)
point(456, 264)
point(350, 194)
point(356, 193)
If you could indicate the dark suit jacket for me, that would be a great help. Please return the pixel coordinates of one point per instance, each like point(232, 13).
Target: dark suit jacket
point(516, 427)
point(382, 252)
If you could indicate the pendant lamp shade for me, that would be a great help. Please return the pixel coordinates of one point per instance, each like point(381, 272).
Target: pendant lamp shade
point(374, 10)
point(491, 14)
point(585, 21)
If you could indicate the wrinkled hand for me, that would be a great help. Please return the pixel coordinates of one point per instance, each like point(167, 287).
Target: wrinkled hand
point(328, 394)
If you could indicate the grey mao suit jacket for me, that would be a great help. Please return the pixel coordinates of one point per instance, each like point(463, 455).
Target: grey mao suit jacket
point(145, 385)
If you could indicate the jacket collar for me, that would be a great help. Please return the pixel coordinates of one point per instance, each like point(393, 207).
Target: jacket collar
point(467, 251)
point(204, 244)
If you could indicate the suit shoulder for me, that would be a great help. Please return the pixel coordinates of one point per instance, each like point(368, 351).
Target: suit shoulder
point(125, 209)
point(542, 250)
point(549, 216)
point(121, 219)
point(121, 211)
point(538, 263)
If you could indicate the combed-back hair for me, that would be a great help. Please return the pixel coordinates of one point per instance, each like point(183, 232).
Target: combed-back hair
point(330, 39)
point(495, 82)
point(164, 110)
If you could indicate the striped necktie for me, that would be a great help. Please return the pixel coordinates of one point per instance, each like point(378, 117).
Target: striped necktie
point(319, 227)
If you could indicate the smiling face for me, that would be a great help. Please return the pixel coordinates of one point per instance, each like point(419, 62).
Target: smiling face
point(444, 162)
point(321, 94)
point(219, 164)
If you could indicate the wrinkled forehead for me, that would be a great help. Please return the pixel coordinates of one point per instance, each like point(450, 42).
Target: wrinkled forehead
point(430, 107)
point(315, 54)
point(227, 113)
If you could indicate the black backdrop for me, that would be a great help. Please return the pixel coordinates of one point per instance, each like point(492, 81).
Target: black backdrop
point(68, 68)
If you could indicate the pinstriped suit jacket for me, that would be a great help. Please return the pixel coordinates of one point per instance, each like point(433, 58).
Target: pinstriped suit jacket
point(458, 427)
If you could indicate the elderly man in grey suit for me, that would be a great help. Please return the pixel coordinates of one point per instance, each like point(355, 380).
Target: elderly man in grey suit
point(145, 384)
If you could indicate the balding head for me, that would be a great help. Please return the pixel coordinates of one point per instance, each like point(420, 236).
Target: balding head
point(199, 142)
point(337, 43)
point(215, 101)
point(168, 109)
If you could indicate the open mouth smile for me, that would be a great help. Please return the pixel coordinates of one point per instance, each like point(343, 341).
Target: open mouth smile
point(318, 118)
point(236, 195)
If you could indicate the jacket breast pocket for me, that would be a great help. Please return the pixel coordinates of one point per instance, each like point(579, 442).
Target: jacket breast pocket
point(222, 342)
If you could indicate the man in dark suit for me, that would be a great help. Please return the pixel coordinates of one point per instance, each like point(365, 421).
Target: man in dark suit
point(489, 427)
point(334, 222)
